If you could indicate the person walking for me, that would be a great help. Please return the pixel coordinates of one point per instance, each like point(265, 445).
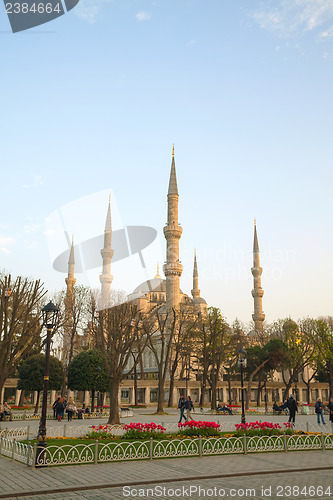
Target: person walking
point(330, 407)
point(319, 410)
point(71, 409)
point(188, 407)
point(60, 409)
point(54, 407)
point(292, 406)
point(181, 407)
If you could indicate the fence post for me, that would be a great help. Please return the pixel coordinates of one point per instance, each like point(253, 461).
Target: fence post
point(322, 441)
point(6, 430)
point(28, 455)
point(13, 450)
point(96, 452)
point(0, 445)
point(307, 426)
point(34, 454)
point(200, 446)
point(151, 449)
point(64, 430)
point(285, 442)
point(28, 432)
point(244, 443)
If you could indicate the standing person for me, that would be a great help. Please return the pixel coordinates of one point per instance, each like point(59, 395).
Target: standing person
point(7, 411)
point(181, 407)
point(70, 409)
point(60, 408)
point(188, 407)
point(319, 410)
point(292, 406)
point(330, 407)
point(54, 407)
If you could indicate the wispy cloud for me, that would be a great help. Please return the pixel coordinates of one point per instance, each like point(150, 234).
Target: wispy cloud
point(89, 10)
point(143, 16)
point(37, 181)
point(5, 242)
point(31, 228)
point(289, 18)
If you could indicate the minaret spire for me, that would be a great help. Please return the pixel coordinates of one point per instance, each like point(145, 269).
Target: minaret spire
point(172, 231)
point(257, 292)
point(195, 292)
point(107, 254)
point(69, 300)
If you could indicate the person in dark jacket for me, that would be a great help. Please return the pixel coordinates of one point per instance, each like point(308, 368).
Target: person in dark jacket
point(188, 407)
point(319, 410)
point(181, 407)
point(292, 407)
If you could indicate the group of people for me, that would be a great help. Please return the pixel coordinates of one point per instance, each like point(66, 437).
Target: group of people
point(5, 411)
point(291, 405)
point(60, 406)
point(185, 405)
point(223, 408)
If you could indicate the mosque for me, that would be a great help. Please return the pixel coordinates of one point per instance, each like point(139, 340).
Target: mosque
point(157, 292)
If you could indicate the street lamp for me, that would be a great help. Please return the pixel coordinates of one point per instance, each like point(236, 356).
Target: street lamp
point(50, 314)
point(264, 376)
point(135, 355)
point(242, 363)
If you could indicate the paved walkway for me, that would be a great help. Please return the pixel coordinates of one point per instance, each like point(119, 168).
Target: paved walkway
point(118, 480)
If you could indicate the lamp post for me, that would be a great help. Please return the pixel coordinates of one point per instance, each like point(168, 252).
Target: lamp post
point(264, 376)
point(50, 314)
point(242, 363)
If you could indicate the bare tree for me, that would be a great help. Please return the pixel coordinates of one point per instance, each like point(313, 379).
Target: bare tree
point(120, 329)
point(182, 344)
point(20, 321)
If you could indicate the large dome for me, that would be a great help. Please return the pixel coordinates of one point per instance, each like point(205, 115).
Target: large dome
point(150, 285)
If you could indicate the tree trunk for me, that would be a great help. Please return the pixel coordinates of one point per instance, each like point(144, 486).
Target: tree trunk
point(202, 395)
point(160, 395)
point(213, 388)
point(37, 403)
point(114, 406)
point(172, 381)
point(330, 378)
point(229, 389)
point(93, 401)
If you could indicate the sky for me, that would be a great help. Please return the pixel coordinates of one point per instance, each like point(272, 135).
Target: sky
point(92, 102)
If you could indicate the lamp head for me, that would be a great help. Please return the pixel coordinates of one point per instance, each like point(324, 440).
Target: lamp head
point(50, 314)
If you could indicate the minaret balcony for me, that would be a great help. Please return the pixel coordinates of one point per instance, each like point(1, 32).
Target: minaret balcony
point(172, 231)
point(173, 269)
point(256, 271)
point(257, 292)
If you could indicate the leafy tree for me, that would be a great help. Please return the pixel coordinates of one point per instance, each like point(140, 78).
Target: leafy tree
point(269, 357)
point(31, 375)
point(301, 347)
point(20, 321)
point(87, 372)
point(324, 343)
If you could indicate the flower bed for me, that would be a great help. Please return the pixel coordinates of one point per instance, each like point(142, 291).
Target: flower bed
point(195, 428)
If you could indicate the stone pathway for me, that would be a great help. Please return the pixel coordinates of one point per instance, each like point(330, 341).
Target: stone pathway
point(118, 480)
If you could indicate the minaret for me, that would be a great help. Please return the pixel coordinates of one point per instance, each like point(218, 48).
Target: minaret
point(195, 292)
point(257, 292)
point(172, 231)
point(107, 254)
point(70, 282)
point(199, 304)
